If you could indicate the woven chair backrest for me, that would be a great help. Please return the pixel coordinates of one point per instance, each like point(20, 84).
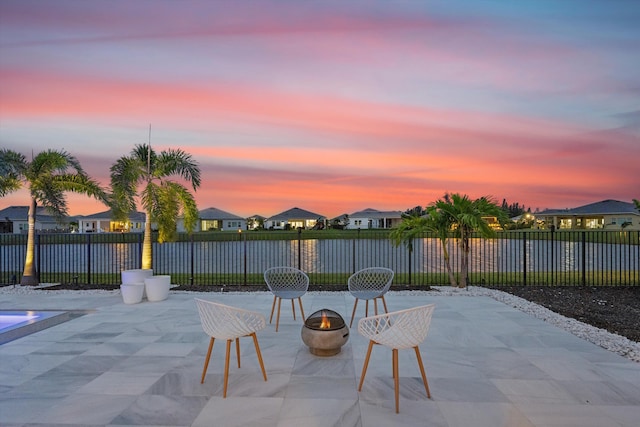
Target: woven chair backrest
point(371, 279)
point(286, 279)
point(226, 322)
point(398, 329)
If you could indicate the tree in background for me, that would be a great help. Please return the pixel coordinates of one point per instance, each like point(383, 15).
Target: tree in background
point(415, 224)
point(415, 211)
point(47, 176)
point(514, 209)
point(143, 177)
point(455, 216)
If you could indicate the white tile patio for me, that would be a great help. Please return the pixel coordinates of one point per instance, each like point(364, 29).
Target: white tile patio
point(488, 365)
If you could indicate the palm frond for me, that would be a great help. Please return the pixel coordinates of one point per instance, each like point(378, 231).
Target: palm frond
point(178, 162)
point(12, 168)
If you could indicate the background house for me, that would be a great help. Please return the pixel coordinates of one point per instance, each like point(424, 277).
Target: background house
point(372, 218)
point(212, 219)
point(15, 219)
point(606, 214)
point(293, 219)
point(102, 222)
point(255, 222)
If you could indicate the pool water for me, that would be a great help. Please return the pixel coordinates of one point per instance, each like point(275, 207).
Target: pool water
point(11, 320)
point(16, 324)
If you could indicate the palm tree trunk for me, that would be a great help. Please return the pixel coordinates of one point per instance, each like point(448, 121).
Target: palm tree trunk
point(147, 256)
point(29, 277)
point(464, 262)
point(447, 262)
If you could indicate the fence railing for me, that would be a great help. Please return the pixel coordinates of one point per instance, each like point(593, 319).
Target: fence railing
point(523, 257)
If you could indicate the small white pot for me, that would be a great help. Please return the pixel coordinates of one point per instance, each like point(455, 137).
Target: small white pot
point(132, 292)
point(157, 287)
point(136, 275)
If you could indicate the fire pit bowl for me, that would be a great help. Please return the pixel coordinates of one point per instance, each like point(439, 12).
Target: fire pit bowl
point(325, 332)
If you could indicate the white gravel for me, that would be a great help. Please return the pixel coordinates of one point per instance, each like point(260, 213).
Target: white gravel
point(601, 337)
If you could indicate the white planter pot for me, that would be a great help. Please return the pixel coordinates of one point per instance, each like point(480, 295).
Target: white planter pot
point(132, 293)
point(157, 287)
point(135, 275)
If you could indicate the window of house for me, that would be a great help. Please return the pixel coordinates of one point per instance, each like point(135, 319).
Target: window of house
point(565, 223)
point(620, 221)
point(593, 223)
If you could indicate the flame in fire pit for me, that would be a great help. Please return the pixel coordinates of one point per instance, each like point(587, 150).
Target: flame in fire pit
point(325, 323)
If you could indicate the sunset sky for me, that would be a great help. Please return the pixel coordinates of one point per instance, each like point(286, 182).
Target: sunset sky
point(334, 106)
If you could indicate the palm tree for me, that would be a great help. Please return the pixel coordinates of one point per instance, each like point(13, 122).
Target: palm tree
point(144, 175)
point(453, 215)
point(414, 226)
point(467, 216)
point(48, 176)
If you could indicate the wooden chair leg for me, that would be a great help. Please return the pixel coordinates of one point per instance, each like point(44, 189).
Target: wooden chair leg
point(375, 306)
point(365, 365)
point(301, 309)
point(366, 308)
point(384, 303)
point(353, 314)
point(226, 370)
point(396, 379)
point(424, 375)
point(255, 343)
point(278, 316)
point(293, 308)
point(238, 351)
point(206, 360)
point(273, 306)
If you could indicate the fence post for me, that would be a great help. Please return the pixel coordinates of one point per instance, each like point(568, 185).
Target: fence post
point(553, 256)
point(353, 253)
point(524, 258)
point(140, 243)
point(192, 266)
point(299, 248)
point(410, 256)
point(37, 249)
point(244, 254)
point(584, 257)
point(88, 258)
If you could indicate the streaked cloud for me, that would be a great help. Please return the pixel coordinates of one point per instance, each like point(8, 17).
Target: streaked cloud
point(332, 106)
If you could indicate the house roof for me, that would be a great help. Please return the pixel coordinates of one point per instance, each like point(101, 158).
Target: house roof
point(604, 207)
point(295, 213)
point(133, 216)
point(214, 213)
point(376, 214)
point(21, 213)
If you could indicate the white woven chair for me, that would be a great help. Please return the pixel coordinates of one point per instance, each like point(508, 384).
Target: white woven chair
point(370, 284)
point(286, 283)
point(229, 323)
point(397, 330)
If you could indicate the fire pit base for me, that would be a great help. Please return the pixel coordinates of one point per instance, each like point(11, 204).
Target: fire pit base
point(324, 342)
point(324, 352)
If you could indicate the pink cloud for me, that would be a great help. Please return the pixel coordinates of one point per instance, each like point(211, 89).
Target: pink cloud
point(348, 108)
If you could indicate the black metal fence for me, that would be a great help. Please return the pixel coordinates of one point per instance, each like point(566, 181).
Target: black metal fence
point(524, 257)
